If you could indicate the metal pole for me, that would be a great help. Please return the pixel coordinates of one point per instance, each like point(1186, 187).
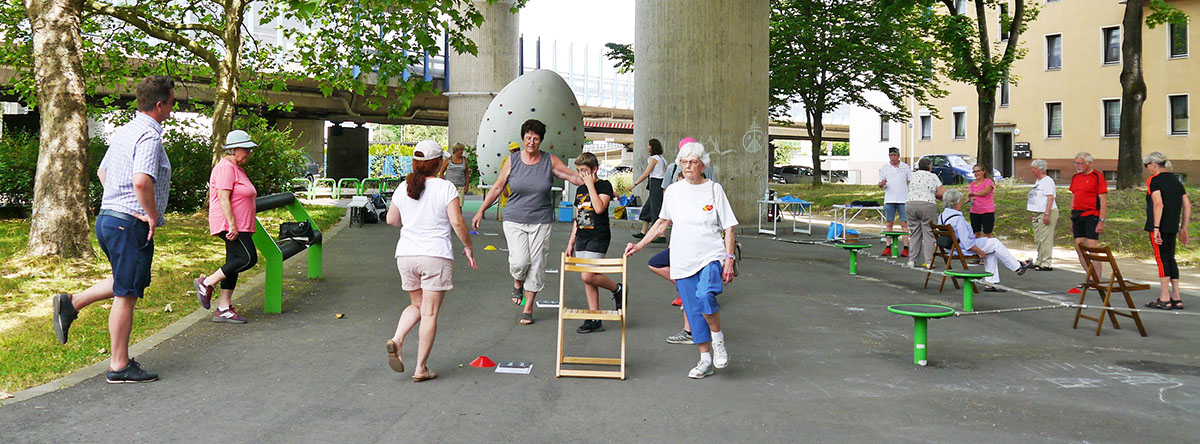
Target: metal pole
point(521, 55)
point(538, 46)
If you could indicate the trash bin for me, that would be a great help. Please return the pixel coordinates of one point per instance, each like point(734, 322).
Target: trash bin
point(566, 211)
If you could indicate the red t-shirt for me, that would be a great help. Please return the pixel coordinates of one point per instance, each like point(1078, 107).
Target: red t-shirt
point(1086, 190)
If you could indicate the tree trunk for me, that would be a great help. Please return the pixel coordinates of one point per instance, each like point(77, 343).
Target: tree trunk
point(987, 123)
point(816, 130)
point(59, 225)
point(1133, 93)
point(224, 109)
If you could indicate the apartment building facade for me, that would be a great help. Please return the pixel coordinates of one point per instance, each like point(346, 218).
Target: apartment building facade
point(1064, 96)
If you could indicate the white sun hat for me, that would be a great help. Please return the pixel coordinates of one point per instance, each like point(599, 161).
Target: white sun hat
point(238, 139)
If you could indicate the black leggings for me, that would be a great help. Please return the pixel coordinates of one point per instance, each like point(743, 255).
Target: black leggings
point(1165, 255)
point(240, 256)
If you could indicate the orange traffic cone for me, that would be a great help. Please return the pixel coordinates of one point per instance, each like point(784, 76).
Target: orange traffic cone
point(483, 362)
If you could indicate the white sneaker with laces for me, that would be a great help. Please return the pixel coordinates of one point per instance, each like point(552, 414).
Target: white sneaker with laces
point(720, 356)
point(701, 370)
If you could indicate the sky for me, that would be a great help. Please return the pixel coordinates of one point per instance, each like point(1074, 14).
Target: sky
point(582, 22)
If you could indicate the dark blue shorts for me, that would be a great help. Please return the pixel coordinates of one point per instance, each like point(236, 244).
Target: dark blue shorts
point(661, 260)
point(125, 244)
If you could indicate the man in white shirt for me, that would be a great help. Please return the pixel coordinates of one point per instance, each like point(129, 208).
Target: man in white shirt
point(893, 178)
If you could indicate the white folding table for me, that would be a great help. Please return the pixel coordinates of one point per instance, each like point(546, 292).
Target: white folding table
point(844, 214)
point(802, 209)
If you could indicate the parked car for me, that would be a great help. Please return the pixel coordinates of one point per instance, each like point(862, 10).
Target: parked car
point(955, 169)
point(311, 171)
point(791, 174)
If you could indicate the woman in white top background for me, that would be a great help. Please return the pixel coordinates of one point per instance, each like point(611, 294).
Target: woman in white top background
point(425, 208)
point(656, 168)
point(1044, 212)
point(701, 261)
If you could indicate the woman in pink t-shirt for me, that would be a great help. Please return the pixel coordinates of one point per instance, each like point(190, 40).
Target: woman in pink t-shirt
point(983, 203)
point(231, 211)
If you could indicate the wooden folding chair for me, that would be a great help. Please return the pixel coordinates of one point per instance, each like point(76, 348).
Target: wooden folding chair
point(606, 265)
point(947, 254)
point(1094, 255)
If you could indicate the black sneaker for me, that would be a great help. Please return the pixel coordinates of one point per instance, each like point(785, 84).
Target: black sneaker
point(64, 314)
point(617, 295)
point(639, 235)
point(589, 326)
point(659, 240)
point(132, 372)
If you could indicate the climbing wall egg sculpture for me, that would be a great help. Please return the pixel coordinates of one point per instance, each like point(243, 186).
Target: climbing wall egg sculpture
point(541, 95)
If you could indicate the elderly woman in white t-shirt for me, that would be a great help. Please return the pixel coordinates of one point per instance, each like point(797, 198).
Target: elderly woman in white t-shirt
point(425, 208)
point(1044, 212)
point(701, 261)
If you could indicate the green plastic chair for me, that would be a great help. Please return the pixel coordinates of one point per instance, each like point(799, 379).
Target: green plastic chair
point(921, 313)
point(853, 249)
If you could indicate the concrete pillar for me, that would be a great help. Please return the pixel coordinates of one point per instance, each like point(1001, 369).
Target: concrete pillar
point(702, 72)
point(310, 136)
point(474, 79)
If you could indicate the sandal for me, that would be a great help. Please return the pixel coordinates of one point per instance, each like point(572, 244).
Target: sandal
point(1159, 304)
point(427, 376)
point(393, 353)
point(1177, 305)
point(992, 289)
point(1041, 268)
point(526, 318)
point(518, 296)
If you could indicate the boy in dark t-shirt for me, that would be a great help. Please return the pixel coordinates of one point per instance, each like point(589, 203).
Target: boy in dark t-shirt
point(590, 234)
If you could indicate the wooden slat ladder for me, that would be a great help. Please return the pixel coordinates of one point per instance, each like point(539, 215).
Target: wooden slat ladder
point(606, 265)
point(1105, 289)
point(949, 254)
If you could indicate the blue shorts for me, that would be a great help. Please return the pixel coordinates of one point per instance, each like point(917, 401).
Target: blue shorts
point(699, 294)
point(125, 244)
point(661, 260)
point(892, 210)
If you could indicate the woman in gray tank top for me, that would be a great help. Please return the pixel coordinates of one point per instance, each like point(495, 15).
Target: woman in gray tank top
point(529, 174)
point(456, 170)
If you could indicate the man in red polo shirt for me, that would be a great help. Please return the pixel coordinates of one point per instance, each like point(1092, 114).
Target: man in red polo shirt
point(1089, 205)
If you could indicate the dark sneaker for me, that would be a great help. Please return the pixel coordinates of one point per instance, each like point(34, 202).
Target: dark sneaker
point(132, 372)
point(659, 240)
point(1024, 266)
point(617, 295)
point(228, 316)
point(639, 235)
point(64, 314)
point(590, 325)
point(203, 292)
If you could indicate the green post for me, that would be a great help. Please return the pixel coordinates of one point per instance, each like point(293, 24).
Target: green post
point(853, 262)
point(895, 247)
point(969, 295)
point(920, 328)
point(314, 261)
point(273, 281)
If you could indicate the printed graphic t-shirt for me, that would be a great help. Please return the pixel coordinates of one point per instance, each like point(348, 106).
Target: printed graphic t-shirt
point(591, 224)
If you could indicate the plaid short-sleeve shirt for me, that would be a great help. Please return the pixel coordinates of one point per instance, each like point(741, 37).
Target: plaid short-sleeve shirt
point(136, 147)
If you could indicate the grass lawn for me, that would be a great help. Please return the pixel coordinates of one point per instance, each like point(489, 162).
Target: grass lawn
point(1123, 228)
point(29, 353)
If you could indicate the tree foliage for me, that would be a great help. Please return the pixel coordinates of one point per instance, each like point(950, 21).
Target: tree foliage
point(831, 53)
point(622, 55)
point(968, 51)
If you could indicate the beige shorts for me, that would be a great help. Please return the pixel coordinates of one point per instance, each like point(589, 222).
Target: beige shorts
point(425, 273)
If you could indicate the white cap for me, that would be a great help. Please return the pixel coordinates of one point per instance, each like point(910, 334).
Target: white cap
point(238, 139)
point(427, 150)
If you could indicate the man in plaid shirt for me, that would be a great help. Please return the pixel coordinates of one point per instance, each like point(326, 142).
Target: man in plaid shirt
point(136, 175)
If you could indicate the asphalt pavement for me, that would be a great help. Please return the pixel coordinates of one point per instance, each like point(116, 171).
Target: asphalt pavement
point(814, 357)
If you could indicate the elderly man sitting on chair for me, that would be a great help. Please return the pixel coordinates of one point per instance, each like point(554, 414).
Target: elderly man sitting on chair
point(988, 248)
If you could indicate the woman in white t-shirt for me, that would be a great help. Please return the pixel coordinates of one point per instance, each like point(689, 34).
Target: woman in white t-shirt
point(425, 207)
point(1044, 212)
point(656, 168)
point(701, 261)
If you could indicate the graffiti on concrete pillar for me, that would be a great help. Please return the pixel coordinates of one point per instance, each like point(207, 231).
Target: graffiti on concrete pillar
point(755, 138)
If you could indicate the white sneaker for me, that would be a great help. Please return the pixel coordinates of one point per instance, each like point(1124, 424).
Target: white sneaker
point(701, 370)
point(720, 356)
